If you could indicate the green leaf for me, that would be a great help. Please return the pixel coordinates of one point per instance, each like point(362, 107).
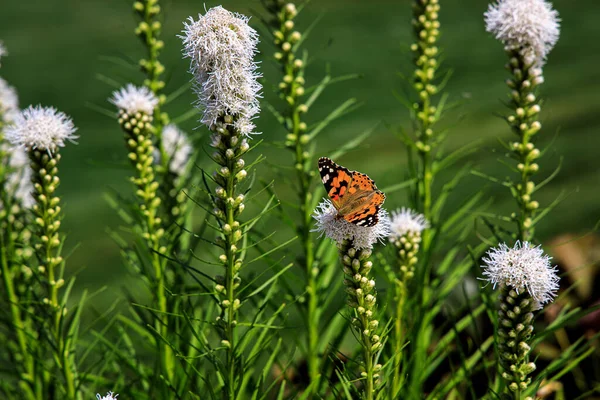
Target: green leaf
point(268, 281)
point(342, 109)
point(354, 143)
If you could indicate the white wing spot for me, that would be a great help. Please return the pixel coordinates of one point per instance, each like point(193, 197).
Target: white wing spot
point(330, 169)
point(326, 178)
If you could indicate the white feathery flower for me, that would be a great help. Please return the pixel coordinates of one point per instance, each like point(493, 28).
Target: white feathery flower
point(522, 267)
point(406, 220)
point(338, 229)
point(109, 396)
point(177, 145)
point(221, 48)
point(9, 102)
point(19, 179)
point(529, 26)
point(42, 128)
point(133, 99)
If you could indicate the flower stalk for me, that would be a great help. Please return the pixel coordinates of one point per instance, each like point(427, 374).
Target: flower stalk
point(15, 249)
point(291, 91)
point(135, 106)
point(47, 217)
point(360, 288)
point(148, 30)
point(221, 47)
point(514, 335)
point(406, 227)
point(15, 271)
point(41, 131)
point(228, 205)
point(355, 245)
point(425, 114)
point(527, 280)
point(524, 123)
point(528, 30)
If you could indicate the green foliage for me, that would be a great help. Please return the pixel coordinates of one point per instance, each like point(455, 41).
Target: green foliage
point(232, 295)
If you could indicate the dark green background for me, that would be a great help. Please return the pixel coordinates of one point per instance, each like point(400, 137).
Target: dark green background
point(59, 48)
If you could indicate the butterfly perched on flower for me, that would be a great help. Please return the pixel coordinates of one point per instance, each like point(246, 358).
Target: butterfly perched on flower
point(353, 194)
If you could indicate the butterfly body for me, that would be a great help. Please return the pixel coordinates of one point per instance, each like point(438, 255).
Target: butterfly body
point(353, 194)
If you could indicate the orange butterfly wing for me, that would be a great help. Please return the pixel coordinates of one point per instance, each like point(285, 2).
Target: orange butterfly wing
point(353, 194)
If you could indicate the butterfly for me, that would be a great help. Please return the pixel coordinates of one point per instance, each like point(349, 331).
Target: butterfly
point(353, 194)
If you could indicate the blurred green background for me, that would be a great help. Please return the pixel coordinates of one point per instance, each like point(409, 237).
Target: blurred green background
point(58, 50)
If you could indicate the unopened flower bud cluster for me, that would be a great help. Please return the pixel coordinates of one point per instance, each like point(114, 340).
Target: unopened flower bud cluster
point(136, 106)
point(426, 31)
point(514, 334)
point(524, 121)
point(148, 30)
point(360, 287)
point(292, 85)
point(229, 147)
point(406, 227)
point(46, 212)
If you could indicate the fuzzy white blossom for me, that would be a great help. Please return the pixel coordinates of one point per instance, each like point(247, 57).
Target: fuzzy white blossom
point(528, 26)
point(338, 229)
point(221, 48)
point(178, 147)
point(9, 102)
point(133, 99)
point(406, 220)
point(19, 179)
point(42, 128)
point(522, 267)
point(109, 396)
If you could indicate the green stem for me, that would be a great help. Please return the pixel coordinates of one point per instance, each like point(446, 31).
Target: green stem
point(369, 363)
point(398, 336)
point(407, 246)
point(230, 287)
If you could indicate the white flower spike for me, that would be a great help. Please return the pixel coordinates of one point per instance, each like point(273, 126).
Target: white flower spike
point(406, 220)
point(178, 147)
point(133, 99)
point(221, 48)
point(109, 396)
point(528, 26)
point(522, 267)
point(42, 128)
point(9, 102)
point(338, 229)
point(18, 181)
